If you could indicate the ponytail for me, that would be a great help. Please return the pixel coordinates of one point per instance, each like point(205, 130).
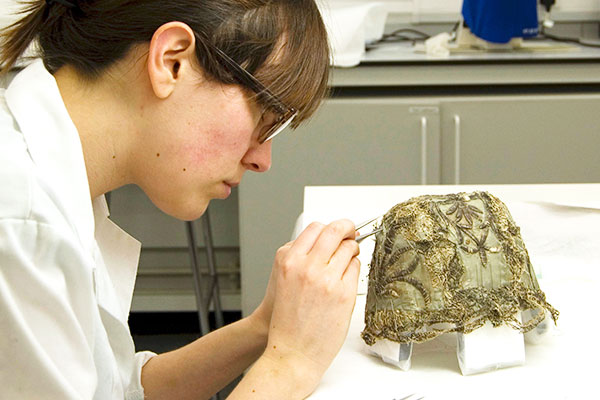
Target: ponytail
point(16, 38)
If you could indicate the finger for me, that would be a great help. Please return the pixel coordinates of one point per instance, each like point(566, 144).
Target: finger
point(330, 238)
point(306, 240)
point(285, 247)
point(343, 255)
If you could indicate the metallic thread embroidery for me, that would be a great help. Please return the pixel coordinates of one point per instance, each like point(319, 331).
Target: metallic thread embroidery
point(449, 264)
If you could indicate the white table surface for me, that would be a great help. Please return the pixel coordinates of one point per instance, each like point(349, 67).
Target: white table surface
point(561, 228)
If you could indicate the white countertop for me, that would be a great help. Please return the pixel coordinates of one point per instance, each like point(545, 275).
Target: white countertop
point(399, 65)
point(403, 52)
point(560, 225)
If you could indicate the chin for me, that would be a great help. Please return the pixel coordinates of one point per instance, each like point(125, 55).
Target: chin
point(184, 211)
point(190, 213)
point(183, 205)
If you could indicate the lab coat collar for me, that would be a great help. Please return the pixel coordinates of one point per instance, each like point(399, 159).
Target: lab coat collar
point(119, 256)
point(53, 141)
point(55, 147)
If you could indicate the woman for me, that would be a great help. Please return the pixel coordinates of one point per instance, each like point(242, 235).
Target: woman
point(171, 96)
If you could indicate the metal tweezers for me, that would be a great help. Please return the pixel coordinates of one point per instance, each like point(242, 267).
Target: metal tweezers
point(366, 235)
point(413, 396)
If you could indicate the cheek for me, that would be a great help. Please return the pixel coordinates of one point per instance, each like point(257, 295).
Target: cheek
point(222, 132)
point(212, 145)
point(194, 154)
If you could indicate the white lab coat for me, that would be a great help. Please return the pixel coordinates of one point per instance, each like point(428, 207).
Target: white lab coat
point(66, 271)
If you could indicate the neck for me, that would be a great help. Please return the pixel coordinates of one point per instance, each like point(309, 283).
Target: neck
point(101, 111)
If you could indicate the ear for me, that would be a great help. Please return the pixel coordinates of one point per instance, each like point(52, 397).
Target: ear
point(171, 52)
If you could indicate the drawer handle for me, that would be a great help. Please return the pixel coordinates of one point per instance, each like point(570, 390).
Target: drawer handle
point(456, 150)
point(423, 150)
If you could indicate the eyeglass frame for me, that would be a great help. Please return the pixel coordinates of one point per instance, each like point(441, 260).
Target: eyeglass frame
point(286, 114)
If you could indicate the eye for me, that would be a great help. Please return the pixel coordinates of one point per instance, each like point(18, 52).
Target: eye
point(263, 123)
point(268, 118)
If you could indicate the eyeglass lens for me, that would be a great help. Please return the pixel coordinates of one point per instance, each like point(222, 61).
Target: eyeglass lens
point(278, 126)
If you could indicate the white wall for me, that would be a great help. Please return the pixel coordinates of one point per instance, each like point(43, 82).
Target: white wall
point(434, 10)
point(454, 5)
point(578, 5)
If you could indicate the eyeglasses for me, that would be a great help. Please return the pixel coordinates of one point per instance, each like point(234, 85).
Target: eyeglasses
point(285, 114)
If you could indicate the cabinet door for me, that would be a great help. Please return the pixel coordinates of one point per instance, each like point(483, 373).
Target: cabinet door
point(349, 142)
point(521, 139)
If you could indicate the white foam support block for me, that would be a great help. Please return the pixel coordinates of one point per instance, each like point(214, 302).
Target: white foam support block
point(489, 348)
point(392, 353)
point(540, 333)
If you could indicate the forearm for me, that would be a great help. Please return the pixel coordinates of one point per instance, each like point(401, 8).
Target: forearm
point(203, 367)
point(279, 375)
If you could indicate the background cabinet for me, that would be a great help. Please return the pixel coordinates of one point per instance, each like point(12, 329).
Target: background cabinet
point(521, 139)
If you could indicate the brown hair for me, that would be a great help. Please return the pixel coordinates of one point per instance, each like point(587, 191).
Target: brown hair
point(282, 42)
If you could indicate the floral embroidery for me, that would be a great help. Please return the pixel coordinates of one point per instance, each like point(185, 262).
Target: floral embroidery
point(428, 243)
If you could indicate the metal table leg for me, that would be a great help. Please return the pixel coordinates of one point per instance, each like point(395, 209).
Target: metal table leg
point(203, 302)
point(213, 292)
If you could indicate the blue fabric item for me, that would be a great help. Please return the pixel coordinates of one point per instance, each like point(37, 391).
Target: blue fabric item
point(499, 21)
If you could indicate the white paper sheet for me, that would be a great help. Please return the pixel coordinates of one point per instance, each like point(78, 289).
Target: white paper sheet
point(560, 225)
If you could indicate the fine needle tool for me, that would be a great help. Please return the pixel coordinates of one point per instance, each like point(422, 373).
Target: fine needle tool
point(413, 396)
point(366, 235)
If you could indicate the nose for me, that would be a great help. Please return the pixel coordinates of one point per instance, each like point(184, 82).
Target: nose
point(258, 158)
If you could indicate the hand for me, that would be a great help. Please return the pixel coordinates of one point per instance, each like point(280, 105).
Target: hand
point(315, 279)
